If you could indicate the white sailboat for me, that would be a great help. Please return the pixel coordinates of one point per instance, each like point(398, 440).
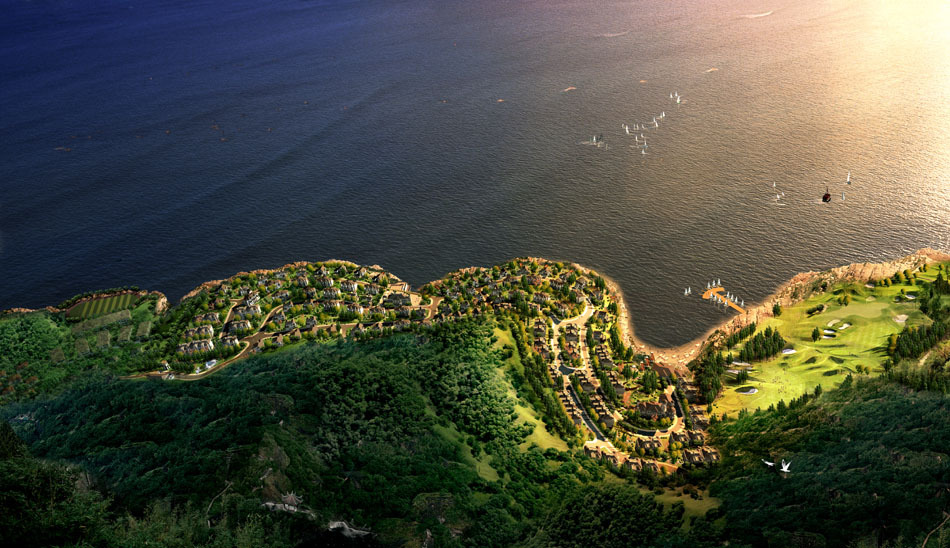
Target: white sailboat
point(849, 178)
point(677, 99)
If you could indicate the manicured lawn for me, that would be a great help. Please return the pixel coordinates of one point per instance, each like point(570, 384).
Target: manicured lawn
point(871, 315)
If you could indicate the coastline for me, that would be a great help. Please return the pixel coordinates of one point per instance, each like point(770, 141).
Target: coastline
point(798, 288)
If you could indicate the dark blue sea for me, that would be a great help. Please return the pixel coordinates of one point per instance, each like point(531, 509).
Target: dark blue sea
point(166, 143)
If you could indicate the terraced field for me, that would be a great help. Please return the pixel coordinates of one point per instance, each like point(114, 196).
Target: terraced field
point(856, 335)
point(100, 307)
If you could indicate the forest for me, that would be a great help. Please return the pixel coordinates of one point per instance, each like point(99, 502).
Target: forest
point(870, 466)
point(383, 434)
point(415, 437)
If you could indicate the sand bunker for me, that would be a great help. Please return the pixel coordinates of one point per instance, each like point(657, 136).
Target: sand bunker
point(733, 371)
point(844, 326)
point(830, 331)
point(747, 391)
point(869, 285)
point(740, 363)
point(901, 318)
point(910, 297)
point(870, 299)
point(832, 322)
point(788, 351)
point(827, 337)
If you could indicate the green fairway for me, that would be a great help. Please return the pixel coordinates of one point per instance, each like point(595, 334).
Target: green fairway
point(859, 334)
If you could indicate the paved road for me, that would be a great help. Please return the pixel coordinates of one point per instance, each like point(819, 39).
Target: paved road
point(587, 420)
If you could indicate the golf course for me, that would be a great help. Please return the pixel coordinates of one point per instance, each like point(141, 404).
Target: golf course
point(852, 337)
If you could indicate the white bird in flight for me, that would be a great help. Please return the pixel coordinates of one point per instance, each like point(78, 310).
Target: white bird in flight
point(785, 466)
point(767, 463)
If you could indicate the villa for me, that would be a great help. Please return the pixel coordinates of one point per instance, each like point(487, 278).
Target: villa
point(240, 325)
point(649, 444)
point(210, 317)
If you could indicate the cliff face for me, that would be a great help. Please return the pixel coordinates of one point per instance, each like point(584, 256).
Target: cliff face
point(803, 285)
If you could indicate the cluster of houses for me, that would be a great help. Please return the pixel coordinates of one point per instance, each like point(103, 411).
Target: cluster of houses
point(571, 408)
point(620, 460)
point(663, 408)
point(529, 286)
point(377, 302)
point(367, 295)
point(200, 332)
point(591, 385)
point(196, 347)
point(666, 405)
point(698, 416)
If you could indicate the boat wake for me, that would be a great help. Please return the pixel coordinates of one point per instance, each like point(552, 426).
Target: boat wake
point(613, 34)
point(757, 15)
point(714, 69)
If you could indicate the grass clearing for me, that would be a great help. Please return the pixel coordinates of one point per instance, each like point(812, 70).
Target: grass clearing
point(870, 320)
point(57, 355)
point(692, 507)
point(96, 323)
point(540, 436)
point(82, 346)
point(482, 464)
